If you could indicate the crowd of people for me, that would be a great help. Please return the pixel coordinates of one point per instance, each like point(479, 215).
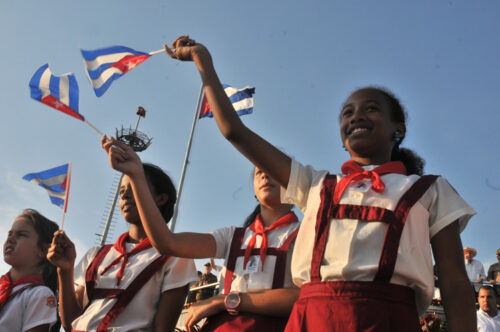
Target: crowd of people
point(360, 259)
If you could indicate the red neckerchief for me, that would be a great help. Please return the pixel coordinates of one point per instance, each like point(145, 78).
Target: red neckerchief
point(6, 285)
point(356, 173)
point(122, 249)
point(258, 227)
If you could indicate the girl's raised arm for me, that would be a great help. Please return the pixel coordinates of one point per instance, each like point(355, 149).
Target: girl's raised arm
point(260, 152)
point(187, 245)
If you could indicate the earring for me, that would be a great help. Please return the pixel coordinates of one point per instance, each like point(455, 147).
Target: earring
point(345, 149)
point(395, 138)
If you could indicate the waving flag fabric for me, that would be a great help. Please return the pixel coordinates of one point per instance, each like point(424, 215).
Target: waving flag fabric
point(55, 180)
point(107, 64)
point(241, 99)
point(59, 92)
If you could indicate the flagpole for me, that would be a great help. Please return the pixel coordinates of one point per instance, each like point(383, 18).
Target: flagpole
point(186, 159)
point(68, 183)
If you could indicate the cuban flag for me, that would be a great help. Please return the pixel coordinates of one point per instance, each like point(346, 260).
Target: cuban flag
point(242, 100)
point(107, 64)
point(56, 181)
point(59, 92)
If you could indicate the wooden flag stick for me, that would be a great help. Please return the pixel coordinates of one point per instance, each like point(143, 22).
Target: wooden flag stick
point(68, 184)
point(156, 52)
point(93, 127)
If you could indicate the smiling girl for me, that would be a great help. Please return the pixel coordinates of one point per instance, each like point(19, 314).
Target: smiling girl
point(363, 253)
point(27, 301)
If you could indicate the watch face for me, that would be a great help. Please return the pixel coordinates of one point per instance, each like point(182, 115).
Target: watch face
point(232, 300)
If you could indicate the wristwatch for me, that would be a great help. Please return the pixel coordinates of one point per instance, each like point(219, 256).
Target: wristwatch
point(232, 302)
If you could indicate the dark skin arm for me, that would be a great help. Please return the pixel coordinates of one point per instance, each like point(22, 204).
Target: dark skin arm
point(260, 152)
point(456, 291)
point(169, 309)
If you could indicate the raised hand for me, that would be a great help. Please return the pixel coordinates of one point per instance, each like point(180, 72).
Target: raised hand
point(62, 251)
point(121, 156)
point(186, 49)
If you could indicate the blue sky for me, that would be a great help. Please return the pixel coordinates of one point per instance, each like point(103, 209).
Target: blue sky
point(304, 58)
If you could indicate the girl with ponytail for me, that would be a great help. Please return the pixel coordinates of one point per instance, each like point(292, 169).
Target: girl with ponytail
point(363, 254)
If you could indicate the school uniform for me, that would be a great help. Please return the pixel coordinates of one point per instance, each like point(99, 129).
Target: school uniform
point(105, 282)
point(28, 304)
point(252, 263)
point(362, 256)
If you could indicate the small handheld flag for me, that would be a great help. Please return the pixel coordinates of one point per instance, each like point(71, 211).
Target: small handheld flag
point(108, 64)
point(242, 100)
point(55, 180)
point(59, 92)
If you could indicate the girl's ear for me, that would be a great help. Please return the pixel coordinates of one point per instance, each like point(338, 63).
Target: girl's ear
point(161, 199)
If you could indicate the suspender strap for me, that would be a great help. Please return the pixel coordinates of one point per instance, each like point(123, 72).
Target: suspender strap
point(90, 275)
point(280, 267)
point(128, 294)
point(322, 225)
point(231, 260)
point(236, 251)
point(395, 219)
point(394, 230)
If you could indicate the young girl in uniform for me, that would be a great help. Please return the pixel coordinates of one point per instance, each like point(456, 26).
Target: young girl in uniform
point(256, 279)
point(127, 286)
point(27, 301)
point(362, 256)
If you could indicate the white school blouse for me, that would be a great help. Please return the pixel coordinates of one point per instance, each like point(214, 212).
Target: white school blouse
point(353, 247)
point(244, 281)
point(138, 315)
point(32, 307)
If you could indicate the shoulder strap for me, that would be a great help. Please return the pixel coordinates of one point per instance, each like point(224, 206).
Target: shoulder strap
point(91, 273)
point(280, 267)
point(389, 253)
point(128, 294)
point(236, 242)
point(322, 226)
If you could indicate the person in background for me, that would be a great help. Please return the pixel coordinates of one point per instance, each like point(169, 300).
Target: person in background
point(494, 270)
point(488, 318)
point(474, 268)
point(206, 279)
point(192, 293)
